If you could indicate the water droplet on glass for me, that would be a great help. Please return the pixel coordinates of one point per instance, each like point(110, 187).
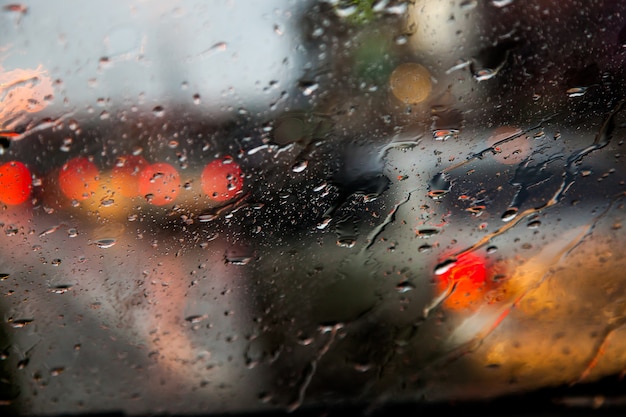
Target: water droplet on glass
point(105, 243)
point(324, 223)
point(158, 111)
point(476, 210)
point(57, 371)
point(345, 10)
point(4, 277)
point(401, 39)
point(56, 262)
point(72, 232)
point(66, 146)
point(50, 230)
point(60, 289)
point(300, 166)
point(19, 323)
point(196, 99)
point(107, 202)
point(439, 185)
point(484, 74)
point(424, 248)
point(445, 134)
point(426, 233)
point(308, 87)
point(576, 91)
point(534, 224)
point(501, 3)
point(509, 214)
point(445, 266)
point(346, 242)
point(196, 318)
point(468, 5)
point(492, 249)
point(238, 260)
point(404, 286)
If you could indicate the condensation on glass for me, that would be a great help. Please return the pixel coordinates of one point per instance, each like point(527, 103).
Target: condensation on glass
point(215, 207)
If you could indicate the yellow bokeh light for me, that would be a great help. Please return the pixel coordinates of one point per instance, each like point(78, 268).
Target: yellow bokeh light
point(410, 83)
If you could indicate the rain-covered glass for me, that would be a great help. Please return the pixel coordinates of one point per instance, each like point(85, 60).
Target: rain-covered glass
point(249, 206)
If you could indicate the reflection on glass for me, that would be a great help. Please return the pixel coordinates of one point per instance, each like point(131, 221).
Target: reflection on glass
point(237, 207)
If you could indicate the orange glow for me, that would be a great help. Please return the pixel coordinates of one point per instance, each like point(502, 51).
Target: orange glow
point(15, 183)
point(469, 275)
point(79, 179)
point(125, 175)
point(221, 181)
point(410, 83)
point(159, 183)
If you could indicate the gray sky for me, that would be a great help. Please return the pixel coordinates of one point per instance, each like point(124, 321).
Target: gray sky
point(226, 51)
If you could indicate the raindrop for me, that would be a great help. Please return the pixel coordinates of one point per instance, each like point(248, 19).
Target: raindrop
point(107, 202)
point(19, 323)
point(300, 166)
point(404, 286)
point(196, 318)
point(56, 262)
point(60, 289)
point(445, 134)
point(576, 92)
point(324, 223)
point(207, 217)
point(476, 210)
point(308, 87)
point(424, 248)
point(485, 74)
point(501, 3)
point(158, 111)
point(445, 266)
point(346, 10)
point(426, 233)
point(196, 99)
point(50, 230)
point(397, 9)
point(57, 371)
point(66, 146)
point(468, 5)
point(509, 214)
point(492, 249)
point(238, 260)
point(72, 232)
point(346, 242)
point(439, 185)
point(105, 243)
point(401, 39)
point(534, 224)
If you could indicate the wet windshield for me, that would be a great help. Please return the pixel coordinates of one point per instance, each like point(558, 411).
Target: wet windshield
point(212, 207)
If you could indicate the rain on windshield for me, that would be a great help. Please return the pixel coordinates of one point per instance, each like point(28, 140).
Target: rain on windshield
point(212, 207)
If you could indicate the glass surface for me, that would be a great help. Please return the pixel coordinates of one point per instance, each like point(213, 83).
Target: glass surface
point(233, 206)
